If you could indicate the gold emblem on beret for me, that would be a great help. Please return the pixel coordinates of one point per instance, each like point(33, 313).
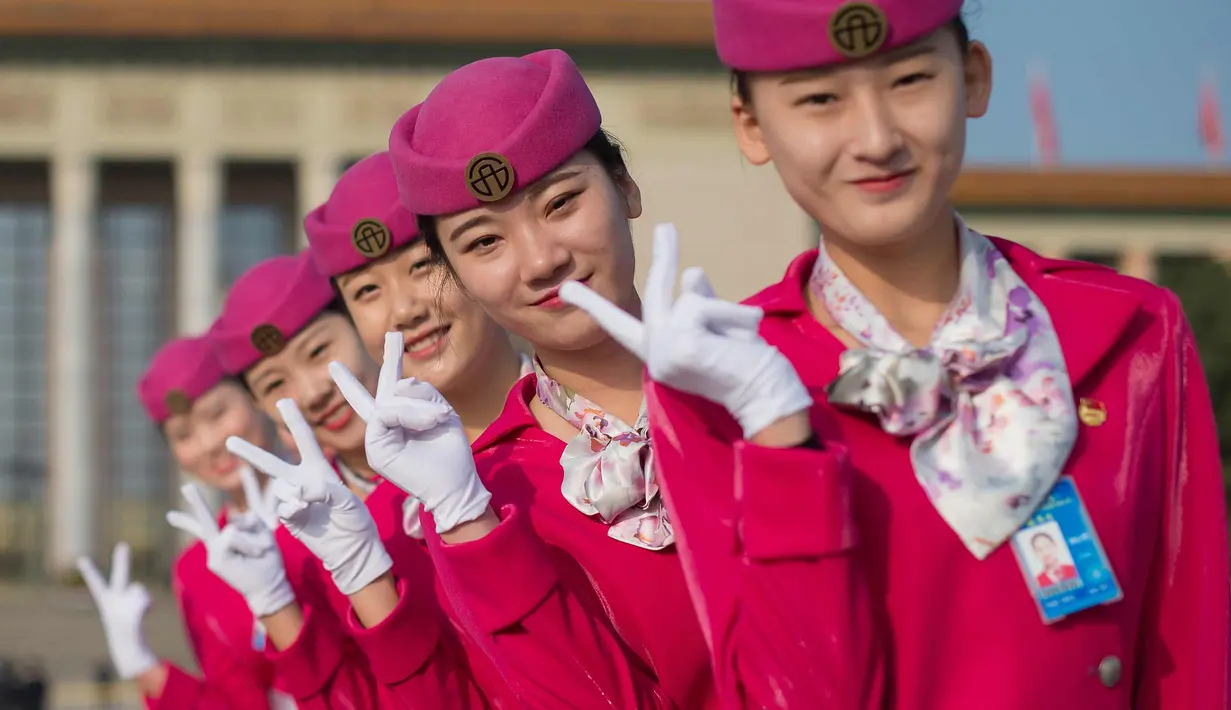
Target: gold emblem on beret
point(268, 340)
point(371, 238)
point(1091, 412)
point(177, 402)
point(858, 29)
point(489, 177)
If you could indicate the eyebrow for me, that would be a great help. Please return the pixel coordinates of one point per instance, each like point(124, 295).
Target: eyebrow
point(537, 188)
point(308, 334)
point(900, 54)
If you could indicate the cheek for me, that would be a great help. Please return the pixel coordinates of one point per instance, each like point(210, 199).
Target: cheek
point(188, 455)
point(371, 324)
point(490, 282)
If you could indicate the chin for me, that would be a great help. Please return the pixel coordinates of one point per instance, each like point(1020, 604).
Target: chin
point(888, 225)
point(567, 331)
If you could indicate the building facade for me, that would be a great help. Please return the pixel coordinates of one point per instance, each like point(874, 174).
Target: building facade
point(132, 195)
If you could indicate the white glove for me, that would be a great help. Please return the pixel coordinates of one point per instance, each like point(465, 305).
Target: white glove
point(318, 510)
point(122, 606)
point(699, 343)
point(261, 503)
point(244, 553)
point(416, 441)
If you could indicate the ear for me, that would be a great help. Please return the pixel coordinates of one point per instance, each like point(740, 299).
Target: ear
point(748, 132)
point(978, 73)
point(632, 196)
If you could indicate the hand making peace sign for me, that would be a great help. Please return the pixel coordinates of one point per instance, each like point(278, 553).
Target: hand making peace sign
point(244, 553)
point(415, 440)
point(698, 343)
point(317, 508)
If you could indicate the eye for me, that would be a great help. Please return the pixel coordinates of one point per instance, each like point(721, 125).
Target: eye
point(561, 201)
point(318, 351)
point(483, 244)
point(420, 265)
point(362, 291)
point(271, 386)
point(910, 79)
point(817, 100)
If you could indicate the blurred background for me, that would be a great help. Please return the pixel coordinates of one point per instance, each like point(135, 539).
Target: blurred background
point(151, 151)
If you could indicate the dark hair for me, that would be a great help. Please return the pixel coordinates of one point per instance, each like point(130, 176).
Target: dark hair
point(605, 148)
point(739, 79)
point(1042, 535)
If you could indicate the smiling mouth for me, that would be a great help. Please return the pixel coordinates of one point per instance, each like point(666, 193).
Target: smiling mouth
point(428, 344)
point(887, 183)
point(551, 300)
point(336, 418)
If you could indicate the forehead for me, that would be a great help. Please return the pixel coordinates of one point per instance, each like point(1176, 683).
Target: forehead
point(930, 45)
point(377, 267)
point(326, 324)
point(581, 164)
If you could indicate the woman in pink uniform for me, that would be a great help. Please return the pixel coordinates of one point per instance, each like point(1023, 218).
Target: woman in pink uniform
point(984, 394)
point(552, 540)
point(188, 396)
point(369, 246)
point(280, 328)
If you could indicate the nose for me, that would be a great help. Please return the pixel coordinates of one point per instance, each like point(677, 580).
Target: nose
point(877, 138)
point(316, 390)
point(544, 261)
point(411, 305)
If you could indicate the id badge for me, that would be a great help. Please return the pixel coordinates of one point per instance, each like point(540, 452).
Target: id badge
point(258, 636)
point(1062, 558)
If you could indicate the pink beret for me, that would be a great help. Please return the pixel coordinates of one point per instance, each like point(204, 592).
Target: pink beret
point(789, 35)
point(179, 372)
point(266, 307)
point(490, 129)
point(362, 220)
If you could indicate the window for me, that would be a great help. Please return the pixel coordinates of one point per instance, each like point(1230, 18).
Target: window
point(258, 217)
point(25, 236)
point(136, 233)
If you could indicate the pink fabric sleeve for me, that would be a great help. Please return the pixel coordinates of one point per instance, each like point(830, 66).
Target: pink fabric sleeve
point(323, 670)
point(226, 682)
point(1185, 660)
point(416, 654)
point(533, 610)
point(770, 551)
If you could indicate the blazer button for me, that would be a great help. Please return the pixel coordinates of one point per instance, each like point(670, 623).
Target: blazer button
point(1109, 671)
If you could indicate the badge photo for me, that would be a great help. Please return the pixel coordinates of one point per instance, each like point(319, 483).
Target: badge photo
point(1062, 558)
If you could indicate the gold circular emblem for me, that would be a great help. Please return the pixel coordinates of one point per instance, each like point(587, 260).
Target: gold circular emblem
point(371, 238)
point(858, 29)
point(177, 402)
point(489, 177)
point(268, 340)
point(1091, 412)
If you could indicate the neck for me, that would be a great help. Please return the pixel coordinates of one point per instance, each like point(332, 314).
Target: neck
point(357, 462)
point(910, 283)
point(236, 500)
point(605, 374)
point(480, 398)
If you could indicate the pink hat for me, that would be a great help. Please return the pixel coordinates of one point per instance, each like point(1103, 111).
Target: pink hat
point(362, 220)
point(490, 129)
point(788, 35)
point(266, 307)
point(179, 372)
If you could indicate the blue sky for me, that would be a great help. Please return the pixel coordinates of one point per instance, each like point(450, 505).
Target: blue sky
point(1123, 73)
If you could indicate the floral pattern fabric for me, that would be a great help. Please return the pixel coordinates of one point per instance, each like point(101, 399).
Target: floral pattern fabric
point(609, 468)
point(988, 402)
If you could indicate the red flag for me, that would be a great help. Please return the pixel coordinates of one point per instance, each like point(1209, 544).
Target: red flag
point(1046, 140)
point(1209, 122)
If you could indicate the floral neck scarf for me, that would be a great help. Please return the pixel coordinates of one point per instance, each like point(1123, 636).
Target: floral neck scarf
point(608, 468)
point(989, 402)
